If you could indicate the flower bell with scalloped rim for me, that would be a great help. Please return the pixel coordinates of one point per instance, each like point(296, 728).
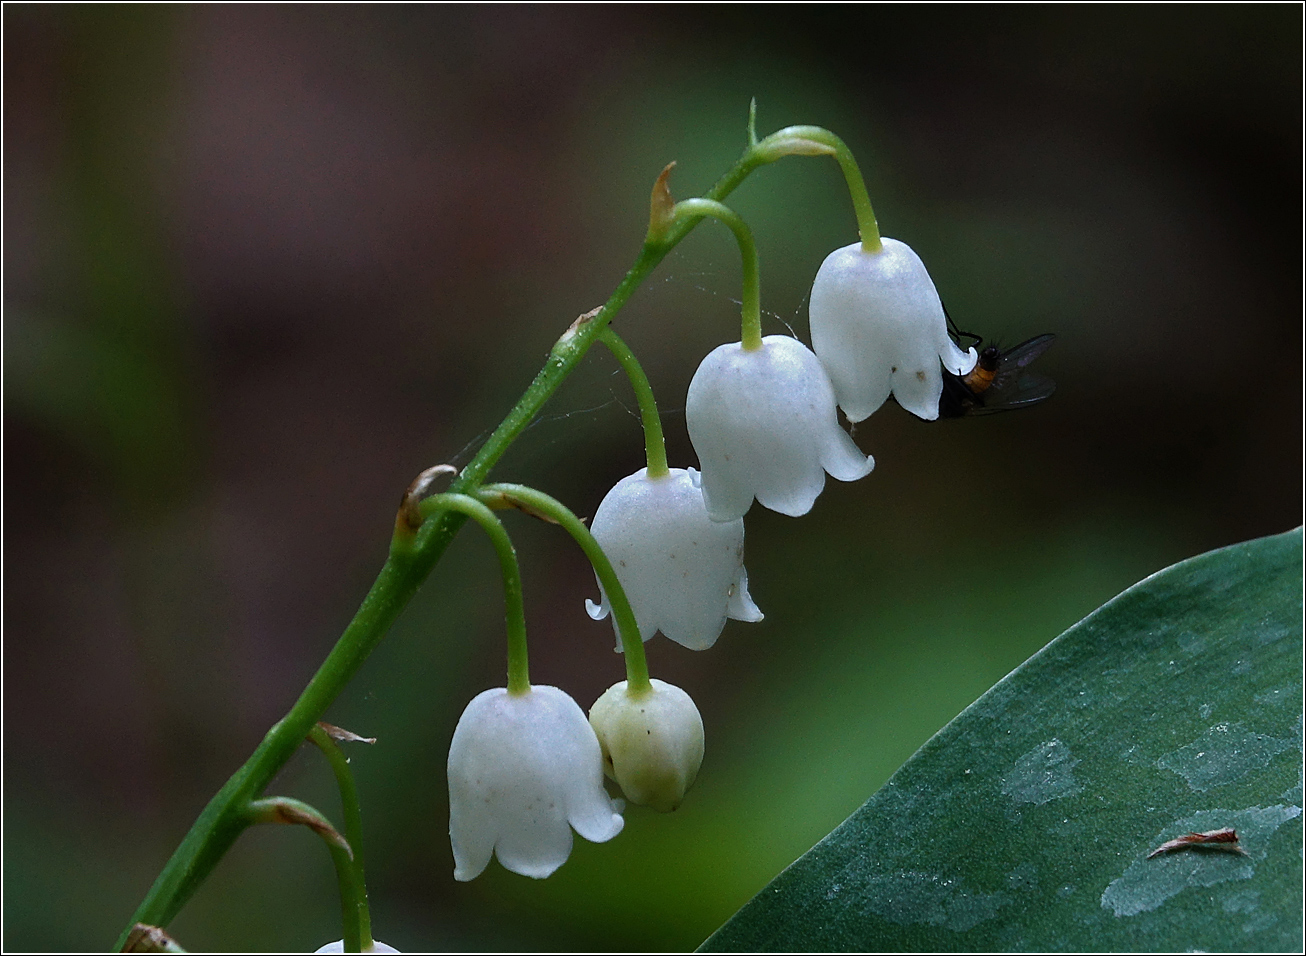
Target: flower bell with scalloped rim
point(682, 572)
point(879, 328)
point(764, 424)
point(524, 769)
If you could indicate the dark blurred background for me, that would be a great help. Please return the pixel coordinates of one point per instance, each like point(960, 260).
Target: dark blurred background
point(264, 264)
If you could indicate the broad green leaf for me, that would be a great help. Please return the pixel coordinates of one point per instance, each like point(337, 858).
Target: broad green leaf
point(1026, 823)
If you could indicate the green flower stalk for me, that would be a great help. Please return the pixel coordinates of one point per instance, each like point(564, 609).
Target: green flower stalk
point(355, 916)
point(542, 505)
point(416, 550)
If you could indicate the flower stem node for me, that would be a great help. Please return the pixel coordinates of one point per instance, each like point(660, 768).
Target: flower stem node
point(764, 424)
point(652, 742)
point(523, 770)
point(879, 328)
point(682, 572)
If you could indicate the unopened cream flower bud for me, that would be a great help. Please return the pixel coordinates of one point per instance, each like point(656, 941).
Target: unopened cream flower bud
point(652, 742)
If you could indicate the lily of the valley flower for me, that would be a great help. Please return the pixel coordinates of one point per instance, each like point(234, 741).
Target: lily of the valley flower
point(652, 742)
point(682, 572)
point(764, 425)
point(523, 770)
point(878, 327)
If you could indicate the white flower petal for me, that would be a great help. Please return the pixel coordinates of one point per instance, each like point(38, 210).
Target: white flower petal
point(521, 769)
point(764, 425)
point(533, 844)
point(678, 567)
point(598, 612)
point(878, 327)
point(844, 460)
point(339, 947)
point(741, 606)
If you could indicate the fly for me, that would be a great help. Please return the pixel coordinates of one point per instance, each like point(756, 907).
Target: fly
point(999, 381)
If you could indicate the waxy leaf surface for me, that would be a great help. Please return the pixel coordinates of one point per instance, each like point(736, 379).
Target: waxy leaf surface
point(1025, 824)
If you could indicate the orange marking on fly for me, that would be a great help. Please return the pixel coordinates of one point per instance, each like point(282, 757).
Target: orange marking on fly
point(1224, 839)
point(979, 378)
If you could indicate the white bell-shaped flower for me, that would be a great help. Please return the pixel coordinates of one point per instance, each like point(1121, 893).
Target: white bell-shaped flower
point(682, 572)
point(652, 742)
point(878, 327)
point(339, 947)
point(764, 425)
point(523, 770)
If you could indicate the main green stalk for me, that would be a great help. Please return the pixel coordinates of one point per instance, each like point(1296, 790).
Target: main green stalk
point(225, 816)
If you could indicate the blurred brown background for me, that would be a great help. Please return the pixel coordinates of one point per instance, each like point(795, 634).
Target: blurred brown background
point(264, 264)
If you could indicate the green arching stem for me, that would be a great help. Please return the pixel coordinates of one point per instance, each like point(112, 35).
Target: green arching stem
point(353, 895)
point(867, 227)
point(224, 818)
point(355, 915)
point(538, 502)
point(751, 309)
point(655, 446)
point(519, 680)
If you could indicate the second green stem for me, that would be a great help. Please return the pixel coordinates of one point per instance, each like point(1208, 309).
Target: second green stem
point(751, 297)
point(655, 445)
point(353, 884)
point(553, 509)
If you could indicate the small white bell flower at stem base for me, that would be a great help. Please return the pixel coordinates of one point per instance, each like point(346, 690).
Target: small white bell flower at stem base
point(682, 572)
point(878, 327)
point(652, 742)
point(339, 947)
point(764, 424)
point(524, 769)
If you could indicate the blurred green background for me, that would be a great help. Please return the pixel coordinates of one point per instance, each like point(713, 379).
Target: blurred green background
point(264, 264)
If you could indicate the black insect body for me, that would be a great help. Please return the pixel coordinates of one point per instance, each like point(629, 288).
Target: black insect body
point(998, 382)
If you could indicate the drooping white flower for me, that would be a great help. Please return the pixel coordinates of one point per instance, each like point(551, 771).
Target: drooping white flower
point(764, 425)
point(682, 572)
point(652, 742)
point(523, 770)
point(339, 947)
point(878, 327)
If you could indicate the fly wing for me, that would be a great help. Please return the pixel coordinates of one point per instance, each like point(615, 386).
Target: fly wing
point(1026, 352)
point(1013, 386)
point(1012, 362)
point(1030, 388)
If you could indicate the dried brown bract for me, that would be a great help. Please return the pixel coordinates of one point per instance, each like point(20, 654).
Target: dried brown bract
point(1225, 839)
